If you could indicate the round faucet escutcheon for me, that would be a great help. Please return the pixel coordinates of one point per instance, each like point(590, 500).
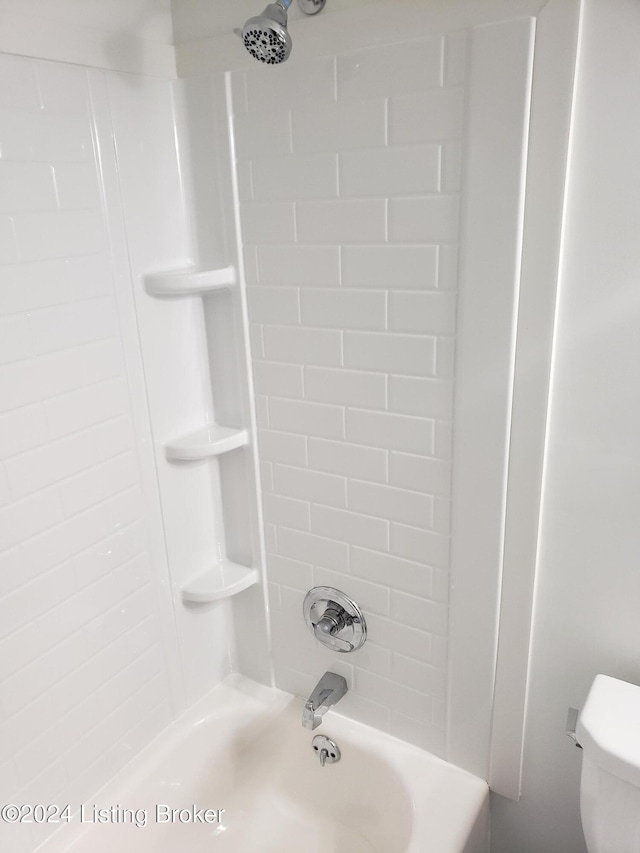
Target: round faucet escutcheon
point(335, 619)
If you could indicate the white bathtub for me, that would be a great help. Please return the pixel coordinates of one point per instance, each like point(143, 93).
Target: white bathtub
point(238, 774)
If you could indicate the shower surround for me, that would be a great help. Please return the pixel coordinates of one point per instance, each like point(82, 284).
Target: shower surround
point(85, 627)
point(353, 317)
point(349, 181)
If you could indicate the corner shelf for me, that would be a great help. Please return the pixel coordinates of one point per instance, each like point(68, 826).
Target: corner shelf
point(220, 581)
point(190, 280)
point(211, 440)
point(222, 578)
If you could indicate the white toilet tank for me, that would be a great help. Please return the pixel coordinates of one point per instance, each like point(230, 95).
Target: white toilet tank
point(609, 732)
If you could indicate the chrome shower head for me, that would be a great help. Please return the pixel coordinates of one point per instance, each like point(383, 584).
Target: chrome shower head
point(266, 36)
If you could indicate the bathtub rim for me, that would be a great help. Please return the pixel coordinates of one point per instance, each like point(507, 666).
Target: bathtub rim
point(239, 694)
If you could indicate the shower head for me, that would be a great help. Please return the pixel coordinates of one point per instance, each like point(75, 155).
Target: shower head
point(266, 36)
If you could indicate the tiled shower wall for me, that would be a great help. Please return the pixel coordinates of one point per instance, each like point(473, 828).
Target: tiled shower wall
point(349, 179)
point(83, 680)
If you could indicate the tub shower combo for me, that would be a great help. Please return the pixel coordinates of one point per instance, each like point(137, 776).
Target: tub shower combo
point(335, 345)
point(276, 789)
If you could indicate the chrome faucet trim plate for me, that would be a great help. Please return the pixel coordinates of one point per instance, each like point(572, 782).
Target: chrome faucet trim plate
point(335, 619)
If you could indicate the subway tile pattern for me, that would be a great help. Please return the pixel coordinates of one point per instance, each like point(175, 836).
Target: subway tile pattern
point(350, 188)
point(82, 674)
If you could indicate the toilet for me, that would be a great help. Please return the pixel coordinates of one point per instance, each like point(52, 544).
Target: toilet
point(608, 731)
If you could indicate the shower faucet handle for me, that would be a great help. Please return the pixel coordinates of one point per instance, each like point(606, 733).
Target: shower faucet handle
point(336, 621)
point(327, 629)
point(338, 644)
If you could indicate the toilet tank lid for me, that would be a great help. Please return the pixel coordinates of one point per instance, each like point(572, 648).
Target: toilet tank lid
point(609, 727)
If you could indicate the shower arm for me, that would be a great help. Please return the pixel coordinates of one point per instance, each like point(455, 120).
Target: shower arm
point(309, 7)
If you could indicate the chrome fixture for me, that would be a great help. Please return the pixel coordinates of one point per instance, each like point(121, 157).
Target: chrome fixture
point(328, 750)
point(572, 723)
point(336, 620)
point(266, 36)
point(329, 690)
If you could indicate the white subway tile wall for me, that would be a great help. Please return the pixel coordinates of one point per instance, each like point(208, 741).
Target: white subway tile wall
point(349, 189)
point(83, 680)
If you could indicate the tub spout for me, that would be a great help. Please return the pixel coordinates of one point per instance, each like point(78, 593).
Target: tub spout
point(329, 690)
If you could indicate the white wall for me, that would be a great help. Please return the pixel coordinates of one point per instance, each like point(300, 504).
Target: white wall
point(350, 227)
point(154, 234)
point(588, 586)
point(191, 347)
point(200, 19)
point(303, 132)
point(98, 653)
point(123, 35)
point(88, 672)
point(211, 45)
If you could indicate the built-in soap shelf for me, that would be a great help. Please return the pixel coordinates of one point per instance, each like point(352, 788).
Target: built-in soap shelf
point(189, 280)
point(220, 581)
point(210, 440)
point(223, 578)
